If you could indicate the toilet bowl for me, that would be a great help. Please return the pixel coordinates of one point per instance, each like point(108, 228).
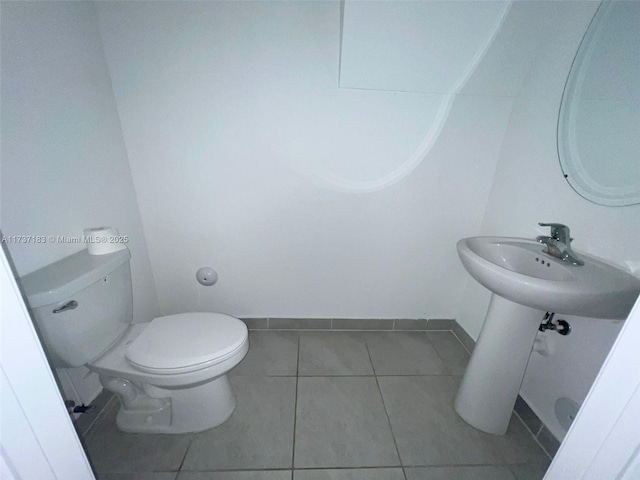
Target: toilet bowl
point(170, 374)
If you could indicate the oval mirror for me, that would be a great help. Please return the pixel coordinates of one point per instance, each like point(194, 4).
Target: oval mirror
point(599, 121)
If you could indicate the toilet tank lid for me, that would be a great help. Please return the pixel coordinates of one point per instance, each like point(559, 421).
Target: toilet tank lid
point(68, 276)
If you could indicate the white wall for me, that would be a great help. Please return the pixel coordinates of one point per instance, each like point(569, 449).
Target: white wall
point(414, 46)
point(235, 125)
point(64, 162)
point(529, 188)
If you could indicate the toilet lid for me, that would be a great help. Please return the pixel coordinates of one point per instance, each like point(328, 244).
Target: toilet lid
point(186, 340)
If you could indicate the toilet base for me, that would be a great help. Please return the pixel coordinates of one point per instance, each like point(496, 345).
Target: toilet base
point(149, 420)
point(162, 410)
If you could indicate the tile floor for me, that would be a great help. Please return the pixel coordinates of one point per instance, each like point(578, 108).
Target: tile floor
point(331, 406)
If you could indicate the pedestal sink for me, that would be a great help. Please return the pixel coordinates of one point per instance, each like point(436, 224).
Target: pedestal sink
point(526, 282)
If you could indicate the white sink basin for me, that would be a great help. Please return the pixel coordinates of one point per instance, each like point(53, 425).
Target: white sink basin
point(525, 283)
point(518, 270)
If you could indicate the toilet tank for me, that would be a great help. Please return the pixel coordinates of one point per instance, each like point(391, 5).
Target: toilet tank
point(101, 287)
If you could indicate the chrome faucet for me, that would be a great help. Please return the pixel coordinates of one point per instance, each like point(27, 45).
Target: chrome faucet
point(559, 243)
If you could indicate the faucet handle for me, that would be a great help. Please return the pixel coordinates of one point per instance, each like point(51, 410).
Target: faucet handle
point(559, 231)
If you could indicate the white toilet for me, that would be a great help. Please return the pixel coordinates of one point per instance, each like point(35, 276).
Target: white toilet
point(170, 374)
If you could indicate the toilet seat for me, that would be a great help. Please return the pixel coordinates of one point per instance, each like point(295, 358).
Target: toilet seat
point(186, 342)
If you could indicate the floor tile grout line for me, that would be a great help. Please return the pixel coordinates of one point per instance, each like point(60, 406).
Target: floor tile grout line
point(373, 367)
point(386, 413)
point(295, 410)
point(442, 360)
point(186, 451)
point(359, 467)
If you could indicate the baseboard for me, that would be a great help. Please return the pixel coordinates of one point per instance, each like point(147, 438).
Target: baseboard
point(354, 324)
point(536, 426)
point(85, 422)
point(465, 339)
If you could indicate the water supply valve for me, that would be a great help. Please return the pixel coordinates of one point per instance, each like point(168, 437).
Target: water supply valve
point(82, 408)
point(560, 326)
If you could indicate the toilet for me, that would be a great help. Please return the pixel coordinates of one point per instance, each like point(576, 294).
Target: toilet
point(170, 374)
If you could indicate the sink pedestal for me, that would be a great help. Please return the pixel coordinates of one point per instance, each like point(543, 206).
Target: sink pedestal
point(493, 377)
